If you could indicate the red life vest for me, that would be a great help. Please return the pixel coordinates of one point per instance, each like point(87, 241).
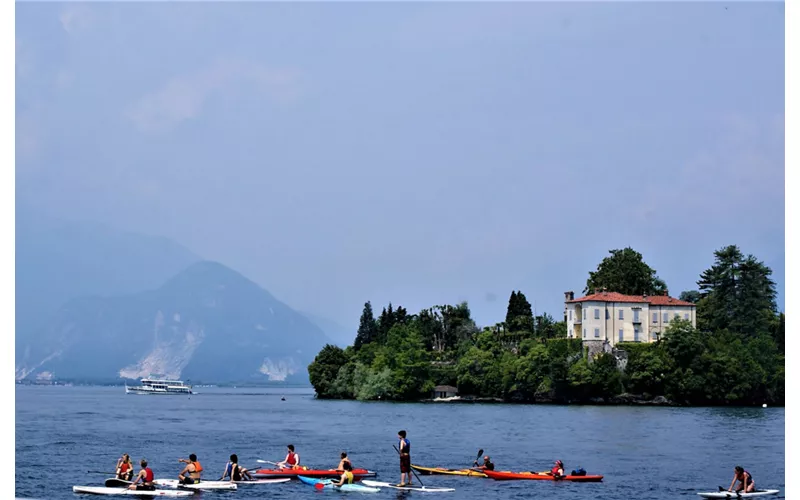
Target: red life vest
point(292, 458)
point(148, 475)
point(123, 468)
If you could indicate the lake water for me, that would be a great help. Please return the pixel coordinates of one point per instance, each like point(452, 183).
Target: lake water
point(644, 453)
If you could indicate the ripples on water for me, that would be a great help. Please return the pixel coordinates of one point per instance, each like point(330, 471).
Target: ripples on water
point(644, 453)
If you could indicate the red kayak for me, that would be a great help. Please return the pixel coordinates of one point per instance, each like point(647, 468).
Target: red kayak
point(507, 475)
point(330, 473)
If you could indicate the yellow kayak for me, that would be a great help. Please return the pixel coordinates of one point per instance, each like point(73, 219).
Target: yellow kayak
point(426, 471)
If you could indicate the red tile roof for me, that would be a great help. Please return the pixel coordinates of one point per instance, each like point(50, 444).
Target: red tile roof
point(655, 300)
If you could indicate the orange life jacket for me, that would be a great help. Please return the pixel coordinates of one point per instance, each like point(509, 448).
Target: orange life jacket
point(197, 466)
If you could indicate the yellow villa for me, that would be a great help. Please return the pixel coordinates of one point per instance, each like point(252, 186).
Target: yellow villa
point(613, 317)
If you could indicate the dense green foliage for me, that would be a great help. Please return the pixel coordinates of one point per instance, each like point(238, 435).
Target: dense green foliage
point(626, 272)
point(735, 357)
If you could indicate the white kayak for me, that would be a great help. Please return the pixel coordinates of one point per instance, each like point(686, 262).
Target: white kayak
point(265, 481)
point(731, 494)
point(202, 485)
point(381, 484)
point(102, 490)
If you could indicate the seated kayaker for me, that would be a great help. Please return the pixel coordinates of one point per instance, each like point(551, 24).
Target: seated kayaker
point(343, 461)
point(124, 468)
point(347, 476)
point(235, 471)
point(192, 472)
point(292, 460)
point(746, 482)
point(487, 464)
point(145, 476)
point(558, 469)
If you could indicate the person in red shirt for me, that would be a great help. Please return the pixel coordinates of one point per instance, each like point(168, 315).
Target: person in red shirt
point(558, 469)
point(292, 460)
point(125, 468)
point(145, 476)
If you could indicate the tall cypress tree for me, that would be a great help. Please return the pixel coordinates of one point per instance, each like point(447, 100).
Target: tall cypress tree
point(367, 327)
point(512, 310)
point(519, 316)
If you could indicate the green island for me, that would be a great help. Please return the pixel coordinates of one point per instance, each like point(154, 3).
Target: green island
point(734, 355)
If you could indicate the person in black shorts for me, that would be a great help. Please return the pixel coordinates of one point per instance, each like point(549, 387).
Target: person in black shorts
point(405, 458)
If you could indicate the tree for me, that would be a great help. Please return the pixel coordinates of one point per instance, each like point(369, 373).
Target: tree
point(367, 327)
point(519, 315)
point(737, 294)
point(625, 272)
point(322, 372)
point(692, 296)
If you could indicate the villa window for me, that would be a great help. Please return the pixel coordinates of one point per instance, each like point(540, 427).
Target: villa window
point(596, 332)
point(596, 313)
point(655, 317)
point(621, 314)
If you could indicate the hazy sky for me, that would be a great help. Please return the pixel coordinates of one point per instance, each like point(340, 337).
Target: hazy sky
point(421, 153)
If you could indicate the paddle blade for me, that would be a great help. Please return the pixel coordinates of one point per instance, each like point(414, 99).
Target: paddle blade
point(319, 486)
point(480, 452)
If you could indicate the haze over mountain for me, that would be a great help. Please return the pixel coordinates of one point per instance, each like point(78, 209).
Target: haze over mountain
point(208, 323)
point(58, 260)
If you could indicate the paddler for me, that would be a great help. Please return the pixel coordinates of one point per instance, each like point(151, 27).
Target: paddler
point(343, 461)
point(558, 469)
point(405, 458)
point(746, 483)
point(125, 468)
point(145, 476)
point(191, 473)
point(236, 471)
point(487, 464)
point(347, 476)
point(292, 459)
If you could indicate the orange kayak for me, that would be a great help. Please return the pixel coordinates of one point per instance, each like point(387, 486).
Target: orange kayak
point(508, 475)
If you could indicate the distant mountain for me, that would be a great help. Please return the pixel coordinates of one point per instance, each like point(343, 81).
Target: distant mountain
point(340, 335)
point(208, 323)
point(58, 260)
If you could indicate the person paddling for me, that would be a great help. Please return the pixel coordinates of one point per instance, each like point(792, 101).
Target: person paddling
point(347, 476)
point(292, 459)
point(487, 464)
point(235, 471)
point(405, 458)
point(343, 461)
point(192, 472)
point(145, 476)
point(125, 468)
point(746, 482)
point(558, 469)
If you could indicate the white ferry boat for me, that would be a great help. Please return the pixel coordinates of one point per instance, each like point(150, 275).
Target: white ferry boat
point(159, 386)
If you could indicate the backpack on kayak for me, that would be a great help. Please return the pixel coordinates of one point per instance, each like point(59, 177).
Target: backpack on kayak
point(578, 472)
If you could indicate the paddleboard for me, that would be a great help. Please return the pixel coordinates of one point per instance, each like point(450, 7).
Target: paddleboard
point(102, 490)
point(731, 494)
point(427, 489)
point(202, 485)
point(265, 481)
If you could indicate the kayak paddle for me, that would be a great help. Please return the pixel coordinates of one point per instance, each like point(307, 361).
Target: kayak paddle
point(480, 452)
point(100, 472)
point(412, 469)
